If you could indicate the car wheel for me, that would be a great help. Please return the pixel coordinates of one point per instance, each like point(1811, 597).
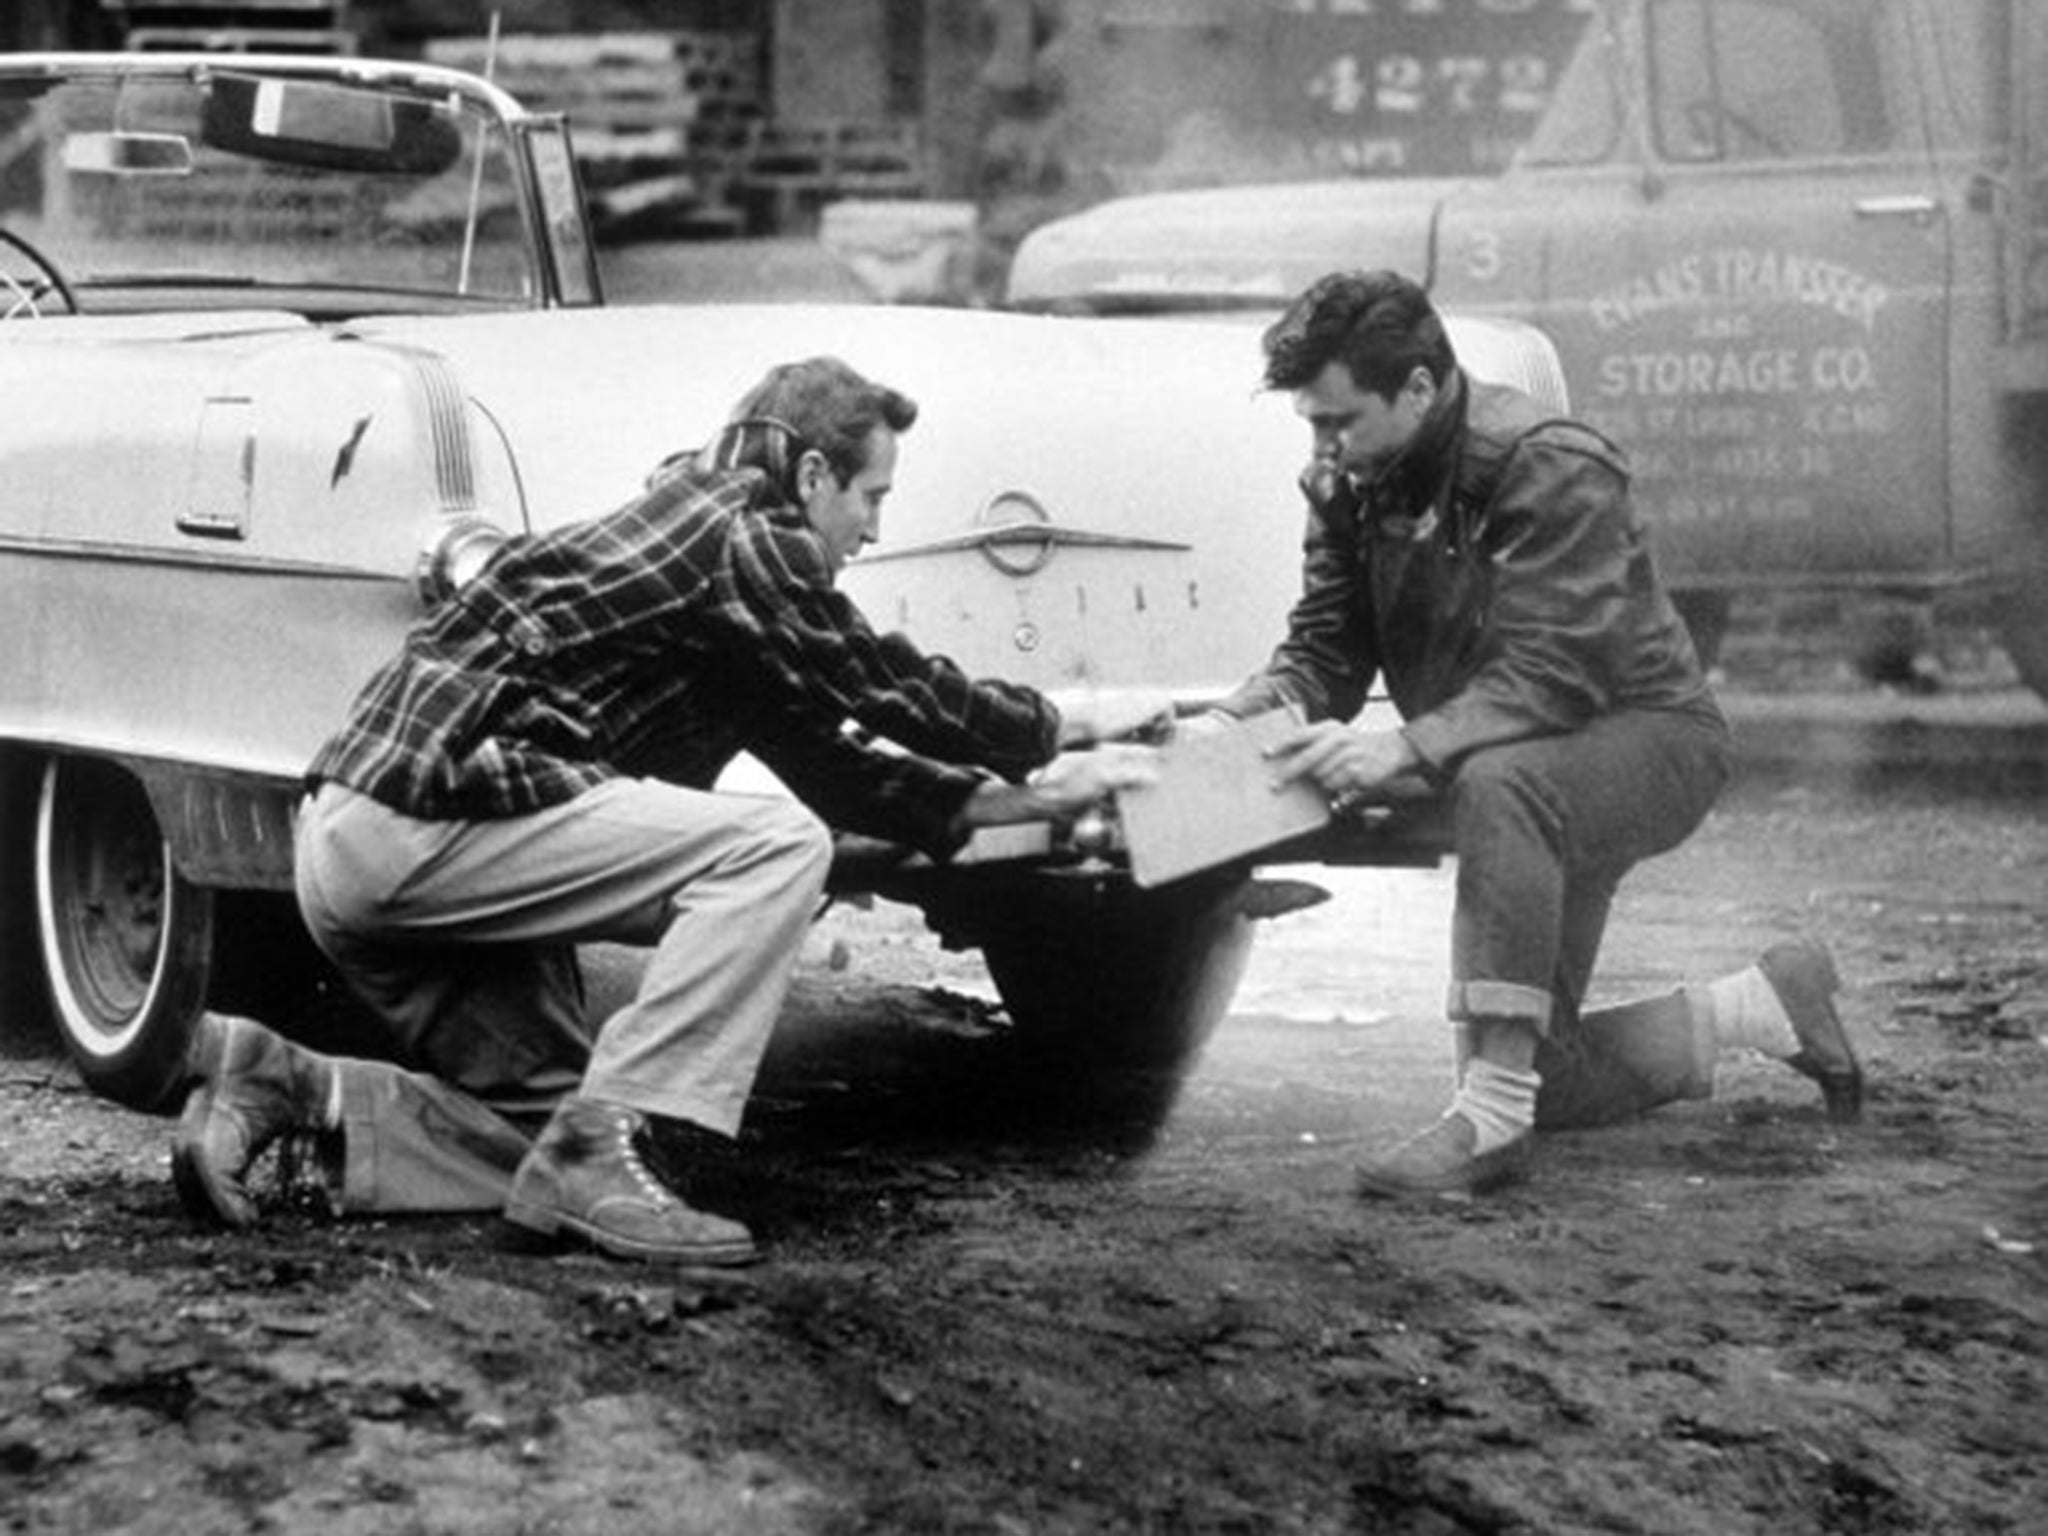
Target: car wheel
point(1115, 990)
point(126, 940)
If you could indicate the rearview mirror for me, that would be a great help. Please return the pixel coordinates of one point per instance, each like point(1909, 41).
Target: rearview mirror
point(128, 154)
point(327, 126)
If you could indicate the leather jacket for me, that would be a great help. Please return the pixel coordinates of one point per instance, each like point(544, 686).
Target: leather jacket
point(1495, 575)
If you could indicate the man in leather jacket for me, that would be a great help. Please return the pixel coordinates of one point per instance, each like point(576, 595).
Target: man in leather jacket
point(1481, 558)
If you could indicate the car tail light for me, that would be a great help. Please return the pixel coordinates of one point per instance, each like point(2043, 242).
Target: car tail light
point(462, 549)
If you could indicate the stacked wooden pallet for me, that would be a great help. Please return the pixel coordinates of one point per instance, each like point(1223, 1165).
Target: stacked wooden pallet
point(235, 26)
point(796, 169)
point(663, 121)
point(673, 130)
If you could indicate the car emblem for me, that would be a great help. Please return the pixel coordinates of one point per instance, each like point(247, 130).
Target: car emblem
point(1016, 535)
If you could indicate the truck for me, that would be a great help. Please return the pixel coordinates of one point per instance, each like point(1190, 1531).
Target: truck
point(1794, 258)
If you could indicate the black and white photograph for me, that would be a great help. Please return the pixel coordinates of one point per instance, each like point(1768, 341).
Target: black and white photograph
point(1024, 767)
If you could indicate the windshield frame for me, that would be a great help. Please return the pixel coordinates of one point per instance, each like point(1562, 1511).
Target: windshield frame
point(479, 193)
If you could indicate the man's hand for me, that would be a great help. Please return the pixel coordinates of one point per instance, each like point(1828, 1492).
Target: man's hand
point(1209, 722)
point(1064, 788)
point(1351, 767)
point(1073, 781)
point(1090, 715)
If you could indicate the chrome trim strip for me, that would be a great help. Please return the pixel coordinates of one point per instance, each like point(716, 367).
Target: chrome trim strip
point(454, 467)
point(211, 525)
point(211, 559)
point(1003, 534)
point(447, 418)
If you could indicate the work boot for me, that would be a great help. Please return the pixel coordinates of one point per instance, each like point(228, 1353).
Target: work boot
point(1803, 975)
point(252, 1089)
point(585, 1176)
point(1440, 1160)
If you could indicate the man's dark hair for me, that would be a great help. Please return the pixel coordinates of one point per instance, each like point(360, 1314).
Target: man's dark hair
point(819, 403)
point(1379, 325)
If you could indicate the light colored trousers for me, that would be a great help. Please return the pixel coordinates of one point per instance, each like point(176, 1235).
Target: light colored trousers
point(460, 936)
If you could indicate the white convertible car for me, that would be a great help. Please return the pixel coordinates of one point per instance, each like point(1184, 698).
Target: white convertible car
point(287, 344)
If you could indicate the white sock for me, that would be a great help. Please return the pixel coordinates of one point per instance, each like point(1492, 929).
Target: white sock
point(1500, 1102)
point(331, 1116)
point(1747, 1015)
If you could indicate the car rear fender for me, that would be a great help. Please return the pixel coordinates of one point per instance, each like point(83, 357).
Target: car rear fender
point(209, 536)
point(1082, 502)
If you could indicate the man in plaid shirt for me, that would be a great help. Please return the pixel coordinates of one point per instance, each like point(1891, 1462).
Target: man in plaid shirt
point(533, 769)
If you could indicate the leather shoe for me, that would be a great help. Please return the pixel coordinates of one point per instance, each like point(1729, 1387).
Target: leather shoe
point(1803, 975)
point(1440, 1160)
point(585, 1176)
point(254, 1088)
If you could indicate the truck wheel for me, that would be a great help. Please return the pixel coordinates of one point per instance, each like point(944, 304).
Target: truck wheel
point(1115, 990)
point(127, 941)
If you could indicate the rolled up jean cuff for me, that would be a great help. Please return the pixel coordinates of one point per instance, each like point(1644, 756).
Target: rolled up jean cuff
point(1472, 1001)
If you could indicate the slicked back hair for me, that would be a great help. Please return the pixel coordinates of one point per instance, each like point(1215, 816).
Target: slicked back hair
point(819, 403)
point(1379, 325)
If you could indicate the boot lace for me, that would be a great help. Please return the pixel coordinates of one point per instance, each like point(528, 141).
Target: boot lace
point(630, 1132)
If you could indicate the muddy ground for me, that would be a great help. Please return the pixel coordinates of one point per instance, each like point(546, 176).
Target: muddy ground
point(978, 1315)
point(974, 1317)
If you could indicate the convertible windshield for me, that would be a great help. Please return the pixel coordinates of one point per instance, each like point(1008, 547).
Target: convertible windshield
point(229, 183)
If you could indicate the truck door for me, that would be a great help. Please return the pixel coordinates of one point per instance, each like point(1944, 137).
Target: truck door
point(1734, 231)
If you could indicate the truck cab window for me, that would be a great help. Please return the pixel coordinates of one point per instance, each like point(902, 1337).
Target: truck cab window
point(1751, 80)
point(1584, 120)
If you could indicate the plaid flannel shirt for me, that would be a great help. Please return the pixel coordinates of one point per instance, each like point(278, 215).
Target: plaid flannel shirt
point(696, 622)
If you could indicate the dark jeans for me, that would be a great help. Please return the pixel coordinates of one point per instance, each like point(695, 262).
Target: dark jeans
point(1543, 831)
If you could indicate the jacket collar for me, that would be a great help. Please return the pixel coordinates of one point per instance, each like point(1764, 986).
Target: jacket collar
point(1408, 498)
point(1419, 474)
